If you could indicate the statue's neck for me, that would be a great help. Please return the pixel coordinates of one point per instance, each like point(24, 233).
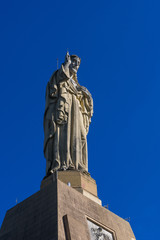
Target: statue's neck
point(74, 77)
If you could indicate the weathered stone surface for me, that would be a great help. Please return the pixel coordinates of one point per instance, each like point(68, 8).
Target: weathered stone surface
point(78, 179)
point(68, 112)
point(78, 207)
point(59, 212)
point(82, 182)
point(33, 219)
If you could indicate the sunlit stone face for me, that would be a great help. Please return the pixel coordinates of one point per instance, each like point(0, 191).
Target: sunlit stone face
point(75, 63)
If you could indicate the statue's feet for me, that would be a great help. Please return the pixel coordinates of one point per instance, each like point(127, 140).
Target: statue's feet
point(63, 167)
point(55, 167)
point(71, 166)
point(84, 171)
point(53, 170)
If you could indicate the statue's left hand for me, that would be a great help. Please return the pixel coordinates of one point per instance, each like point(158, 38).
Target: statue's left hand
point(60, 117)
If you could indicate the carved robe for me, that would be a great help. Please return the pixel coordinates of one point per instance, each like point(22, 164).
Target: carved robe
point(68, 112)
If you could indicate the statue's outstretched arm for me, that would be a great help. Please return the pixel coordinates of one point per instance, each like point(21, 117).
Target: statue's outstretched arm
point(63, 73)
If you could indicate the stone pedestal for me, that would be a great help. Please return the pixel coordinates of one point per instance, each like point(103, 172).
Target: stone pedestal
point(62, 212)
point(79, 181)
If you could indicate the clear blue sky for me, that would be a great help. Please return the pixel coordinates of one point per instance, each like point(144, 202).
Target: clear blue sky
point(119, 44)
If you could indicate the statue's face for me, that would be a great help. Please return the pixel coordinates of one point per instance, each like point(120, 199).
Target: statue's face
point(75, 63)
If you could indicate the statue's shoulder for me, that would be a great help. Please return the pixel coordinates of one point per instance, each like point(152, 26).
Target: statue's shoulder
point(52, 89)
point(53, 76)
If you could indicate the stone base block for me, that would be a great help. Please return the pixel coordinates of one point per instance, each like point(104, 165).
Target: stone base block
point(82, 182)
point(59, 212)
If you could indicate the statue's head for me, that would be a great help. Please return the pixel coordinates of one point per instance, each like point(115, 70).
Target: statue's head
point(75, 63)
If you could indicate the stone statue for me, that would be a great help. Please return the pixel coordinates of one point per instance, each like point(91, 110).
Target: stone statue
point(68, 112)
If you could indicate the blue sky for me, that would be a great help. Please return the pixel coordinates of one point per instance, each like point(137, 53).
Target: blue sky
point(119, 44)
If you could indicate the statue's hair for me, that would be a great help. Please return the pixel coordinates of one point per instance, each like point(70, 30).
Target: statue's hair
point(75, 56)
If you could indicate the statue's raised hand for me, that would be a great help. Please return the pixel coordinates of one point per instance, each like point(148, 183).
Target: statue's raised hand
point(67, 59)
point(67, 63)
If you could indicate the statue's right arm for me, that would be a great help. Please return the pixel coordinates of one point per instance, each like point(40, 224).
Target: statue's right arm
point(63, 74)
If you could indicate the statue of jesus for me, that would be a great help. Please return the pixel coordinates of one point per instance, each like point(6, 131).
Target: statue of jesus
point(68, 112)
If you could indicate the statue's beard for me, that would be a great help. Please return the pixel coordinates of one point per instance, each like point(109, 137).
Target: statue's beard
point(73, 73)
point(73, 70)
point(75, 77)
